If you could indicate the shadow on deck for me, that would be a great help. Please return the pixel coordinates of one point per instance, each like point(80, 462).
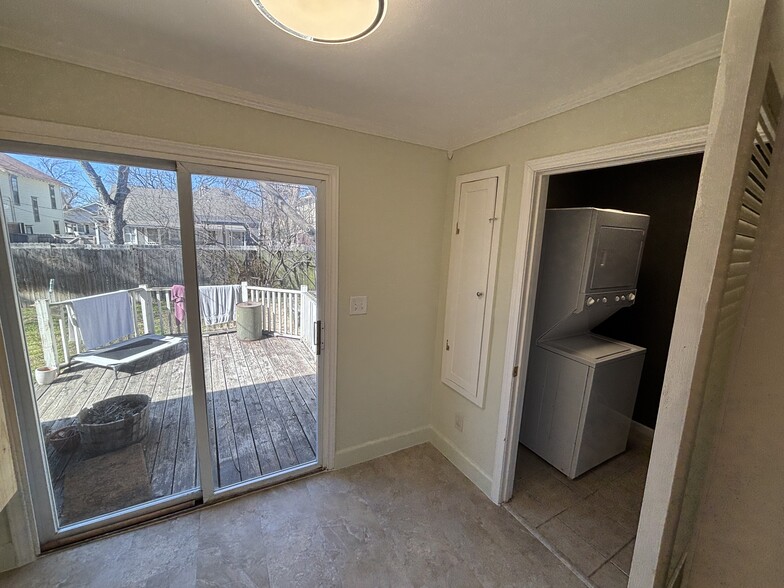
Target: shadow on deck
point(262, 414)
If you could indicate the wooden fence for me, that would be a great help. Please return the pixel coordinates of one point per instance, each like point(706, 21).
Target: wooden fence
point(79, 270)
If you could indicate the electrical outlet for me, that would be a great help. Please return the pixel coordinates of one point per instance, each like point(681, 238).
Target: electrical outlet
point(357, 305)
point(459, 421)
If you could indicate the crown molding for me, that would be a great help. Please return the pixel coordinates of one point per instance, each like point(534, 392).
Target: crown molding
point(28, 43)
point(685, 57)
point(677, 60)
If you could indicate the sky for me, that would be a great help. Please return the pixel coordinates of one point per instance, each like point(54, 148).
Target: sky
point(70, 172)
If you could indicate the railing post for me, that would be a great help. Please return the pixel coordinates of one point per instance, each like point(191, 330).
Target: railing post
point(147, 317)
point(303, 290)
point(244, 287)
point(46, 329)
point(63, 321)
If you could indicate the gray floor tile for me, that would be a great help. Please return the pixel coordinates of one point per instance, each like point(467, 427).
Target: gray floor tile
point(407, 519)
point(579, 552)
point(609, 576)
point(606, 535)
point(532, 510)
point(623, 559)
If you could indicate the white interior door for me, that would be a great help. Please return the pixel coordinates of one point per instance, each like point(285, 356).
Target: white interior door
point(733, 200)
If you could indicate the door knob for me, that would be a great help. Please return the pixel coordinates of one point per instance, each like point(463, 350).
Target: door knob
point(480, 294)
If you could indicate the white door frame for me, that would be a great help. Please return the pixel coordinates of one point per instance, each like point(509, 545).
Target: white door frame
point(524, 282)
point(48, 137)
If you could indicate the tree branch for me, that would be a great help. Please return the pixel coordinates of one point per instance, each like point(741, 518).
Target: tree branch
point(97, 182)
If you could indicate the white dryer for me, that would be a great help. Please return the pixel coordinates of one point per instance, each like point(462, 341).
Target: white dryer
point(581, 387)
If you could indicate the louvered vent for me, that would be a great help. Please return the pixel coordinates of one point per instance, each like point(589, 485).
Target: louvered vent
point(747, 226)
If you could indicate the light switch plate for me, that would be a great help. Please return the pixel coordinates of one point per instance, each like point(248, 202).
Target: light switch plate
point(357, 305)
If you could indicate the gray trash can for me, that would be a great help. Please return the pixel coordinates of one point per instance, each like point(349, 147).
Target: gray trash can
point(249, 321)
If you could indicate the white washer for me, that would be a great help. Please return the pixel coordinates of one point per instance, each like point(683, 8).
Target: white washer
point(581, 387)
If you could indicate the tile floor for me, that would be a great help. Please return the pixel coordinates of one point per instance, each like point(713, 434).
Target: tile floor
point(591, 521)
point(407, 519)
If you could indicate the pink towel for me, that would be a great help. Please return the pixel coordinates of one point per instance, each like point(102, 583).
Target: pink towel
point(178, 298)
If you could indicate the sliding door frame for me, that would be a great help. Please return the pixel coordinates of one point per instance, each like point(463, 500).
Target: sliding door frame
point(54, 139)
point(185, 172)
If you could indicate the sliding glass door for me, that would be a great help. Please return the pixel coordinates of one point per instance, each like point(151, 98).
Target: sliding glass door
point(256, 265)
point(111, 403)
point(163, 331)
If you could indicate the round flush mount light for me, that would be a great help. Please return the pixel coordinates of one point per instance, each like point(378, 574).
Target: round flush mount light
point(324, 21)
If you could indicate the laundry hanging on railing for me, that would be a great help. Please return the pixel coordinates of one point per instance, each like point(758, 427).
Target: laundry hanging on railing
point(217, 303)
point(178, 299)
point(104, 318)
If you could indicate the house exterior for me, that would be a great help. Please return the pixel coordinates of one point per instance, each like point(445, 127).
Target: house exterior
point(80, 223)
point(32, 200)
point(223, 219)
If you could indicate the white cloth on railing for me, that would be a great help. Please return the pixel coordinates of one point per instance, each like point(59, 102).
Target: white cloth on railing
point(217, 303)
point(104, 318)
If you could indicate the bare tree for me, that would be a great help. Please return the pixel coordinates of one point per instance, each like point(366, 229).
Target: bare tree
point(278, 220)
point(64, 171)
point(113, 205)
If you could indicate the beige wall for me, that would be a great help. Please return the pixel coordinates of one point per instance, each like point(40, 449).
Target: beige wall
point(395, 219)
point(391, 213)
point(677, 101)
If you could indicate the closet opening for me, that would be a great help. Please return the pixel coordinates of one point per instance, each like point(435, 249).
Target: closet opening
point(606, 296)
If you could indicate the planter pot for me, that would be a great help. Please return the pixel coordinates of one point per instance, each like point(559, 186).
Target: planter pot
point(45, 375)
point(101, 432)
point(64, 440)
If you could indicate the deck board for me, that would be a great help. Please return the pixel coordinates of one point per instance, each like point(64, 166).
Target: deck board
point(247, 457)
point(284, 450)
point(261, 405)
point(265, 448)
point(291, 423)
point(227, 459)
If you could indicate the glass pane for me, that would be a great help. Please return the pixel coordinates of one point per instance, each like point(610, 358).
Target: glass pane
point(104, 340)
point(256, 257)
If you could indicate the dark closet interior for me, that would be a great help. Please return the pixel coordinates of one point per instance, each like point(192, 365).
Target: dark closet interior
point(665, 190)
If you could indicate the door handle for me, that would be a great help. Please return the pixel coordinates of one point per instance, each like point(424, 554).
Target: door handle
point(317, 336)
point(480, 294)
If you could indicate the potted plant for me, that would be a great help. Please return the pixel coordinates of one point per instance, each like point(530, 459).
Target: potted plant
point(45, 375)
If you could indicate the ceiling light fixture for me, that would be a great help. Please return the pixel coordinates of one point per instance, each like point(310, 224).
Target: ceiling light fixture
point(324, 21)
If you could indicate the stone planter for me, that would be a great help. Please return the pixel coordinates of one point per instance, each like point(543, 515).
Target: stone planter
point(45, 375)
point(114, 423)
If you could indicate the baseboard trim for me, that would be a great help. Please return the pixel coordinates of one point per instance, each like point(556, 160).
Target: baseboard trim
point(380, 447)
point(386, 445)
point(462, 462)
point(642, 432)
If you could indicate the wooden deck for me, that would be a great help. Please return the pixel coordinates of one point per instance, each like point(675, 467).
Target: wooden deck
point(261, 401)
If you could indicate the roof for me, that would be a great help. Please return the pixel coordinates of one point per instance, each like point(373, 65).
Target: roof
point(17, 168)
point(82, 215)
point(153, 207)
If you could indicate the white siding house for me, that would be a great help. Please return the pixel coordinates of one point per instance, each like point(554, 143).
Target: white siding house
point(32, 200)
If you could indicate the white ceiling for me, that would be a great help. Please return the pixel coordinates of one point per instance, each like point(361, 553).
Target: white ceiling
point(443, 73)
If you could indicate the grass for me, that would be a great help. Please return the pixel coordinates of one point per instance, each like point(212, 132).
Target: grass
point(35, 352)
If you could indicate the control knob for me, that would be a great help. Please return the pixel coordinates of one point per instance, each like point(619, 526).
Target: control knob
point(632, 296)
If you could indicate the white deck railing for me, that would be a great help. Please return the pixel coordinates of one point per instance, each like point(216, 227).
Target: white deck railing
point(286, 313)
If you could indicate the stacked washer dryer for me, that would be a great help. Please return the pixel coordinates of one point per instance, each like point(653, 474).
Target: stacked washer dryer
point(581, 387)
